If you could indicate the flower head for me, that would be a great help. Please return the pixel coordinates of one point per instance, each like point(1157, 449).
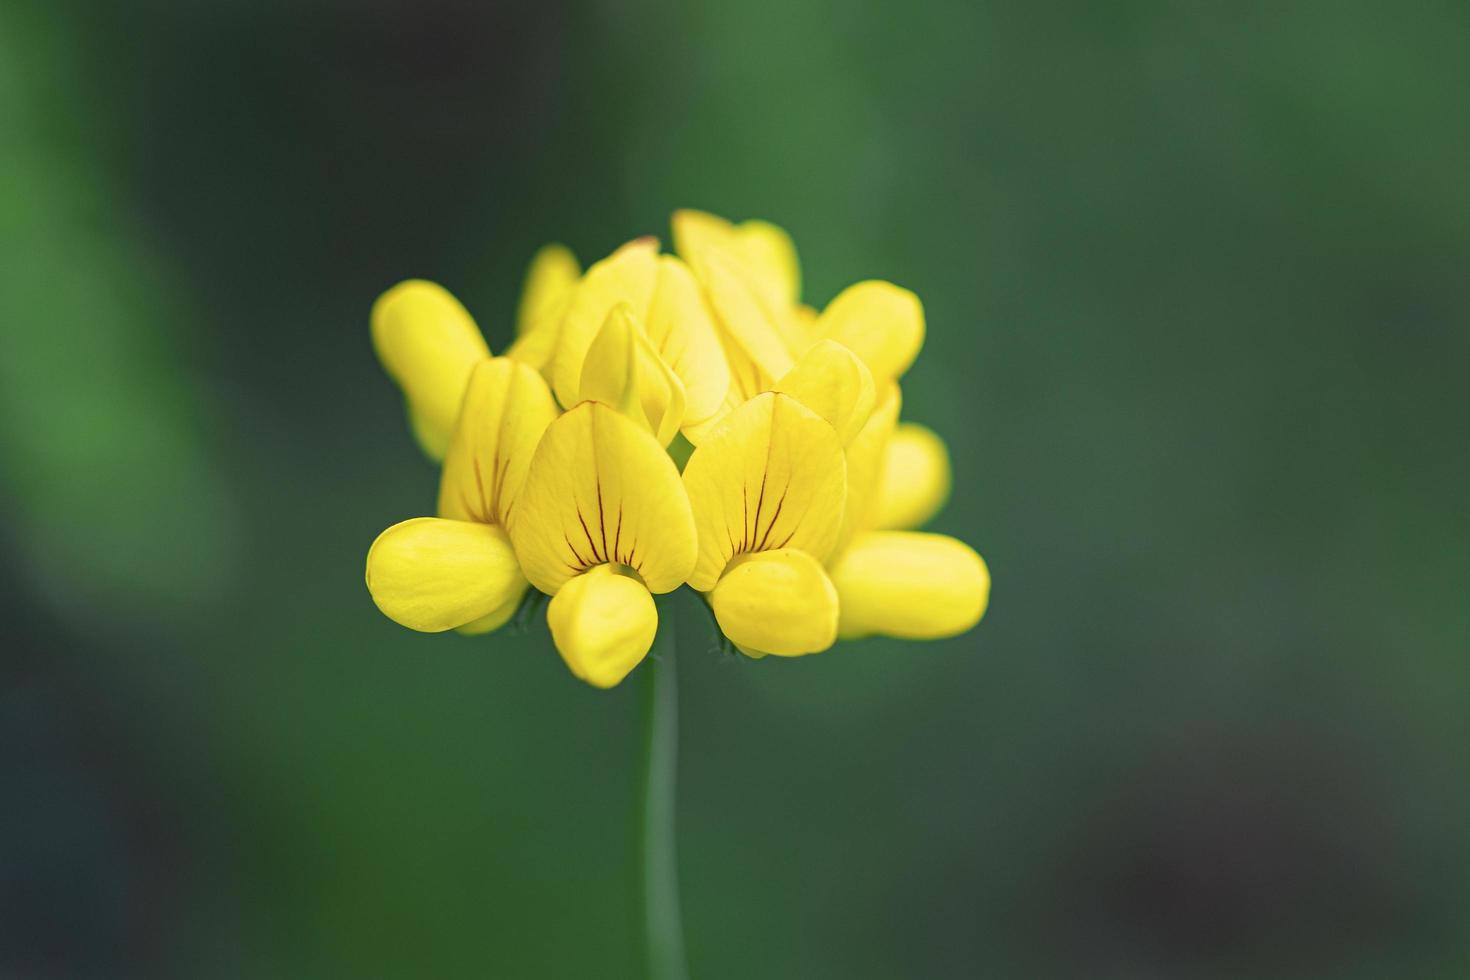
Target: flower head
point(459, 570)
point(793, 511)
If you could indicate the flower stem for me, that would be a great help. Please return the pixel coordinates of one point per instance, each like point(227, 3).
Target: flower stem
point(663, 932)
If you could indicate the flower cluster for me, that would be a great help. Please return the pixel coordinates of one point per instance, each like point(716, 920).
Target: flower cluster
point(562, 457)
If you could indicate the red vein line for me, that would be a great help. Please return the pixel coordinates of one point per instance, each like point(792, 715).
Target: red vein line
point(581, 562)
point(618, 537)
point(759, 503)
point(480, 485)
point(774, 516)
point(590, 543)
point(602, 518)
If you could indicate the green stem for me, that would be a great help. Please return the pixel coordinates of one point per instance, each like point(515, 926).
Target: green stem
point(663, 933)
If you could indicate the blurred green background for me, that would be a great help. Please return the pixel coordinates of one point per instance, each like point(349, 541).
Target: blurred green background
point(1196, 281)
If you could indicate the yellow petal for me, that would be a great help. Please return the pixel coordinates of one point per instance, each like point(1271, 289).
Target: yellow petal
point(536, 347)
point(914, 480)
point(911, 585)
point(700, 431)
point(697, 233)
point(603, 624)
point(683, 331)
point(779, 602)
point(770, 476)
point(428, 344)
point(754, 348)
point(624, 371)
point(769, 251)
point(799, 328)
point(833, 382)
point(627, 276)
point(433, 575)
point(879, 322)
point(497, 617)
point(601, 489)
point(506, 408)
point(864, 464)
point(553, 271)
point(759, 252)
point(610, 369)
point(662, 393)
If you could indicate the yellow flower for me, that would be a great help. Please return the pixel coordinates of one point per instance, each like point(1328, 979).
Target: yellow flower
point(792, 512)
point(459, 570)
point(894, 582)
point(768, 487)
point(603, 524)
